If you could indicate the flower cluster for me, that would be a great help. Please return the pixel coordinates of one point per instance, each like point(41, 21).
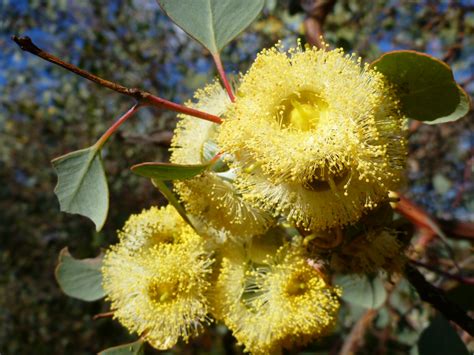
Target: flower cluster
point(300, 167)
point(157, 277)
point(274, 301)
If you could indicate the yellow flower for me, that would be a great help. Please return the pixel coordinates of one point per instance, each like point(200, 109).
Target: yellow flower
point(371, 252)
point(273, 302)
point(212, 196)
point(318, 137)
point(154, 226)
point(159, 290)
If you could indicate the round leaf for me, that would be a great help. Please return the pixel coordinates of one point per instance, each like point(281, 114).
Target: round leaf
point(461, 110)
point(425, 86)
point(213, 23)
point(362, 290)
point(80, 279)
point(82, 185)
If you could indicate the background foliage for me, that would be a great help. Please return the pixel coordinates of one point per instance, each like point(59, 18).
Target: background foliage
point(46, 112)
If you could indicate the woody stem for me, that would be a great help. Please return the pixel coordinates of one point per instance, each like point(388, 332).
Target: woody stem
point(143, 97)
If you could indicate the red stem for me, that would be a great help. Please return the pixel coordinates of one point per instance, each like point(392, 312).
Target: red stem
point(220, 70)
point(103, 315)
point(116, 125)
point(162, 103)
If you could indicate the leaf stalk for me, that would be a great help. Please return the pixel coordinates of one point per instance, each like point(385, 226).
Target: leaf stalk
point(221, 71)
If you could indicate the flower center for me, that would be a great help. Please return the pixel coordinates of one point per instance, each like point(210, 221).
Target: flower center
point(297, 285)
point(163, 292)
point(327, 180)
point(302, 111)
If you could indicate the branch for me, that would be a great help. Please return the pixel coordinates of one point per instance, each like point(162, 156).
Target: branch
point(103, 315)
point(456, 48)
point(437, 298)
point(421, 219)
point(459, 278)
point(26, 44)
point(143, 97)
point(457, 229)
point(316, 11)
point(356, 336)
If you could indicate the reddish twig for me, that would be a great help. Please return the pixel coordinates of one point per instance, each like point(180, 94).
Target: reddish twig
point(316, 11)
point(221, 71)
point(103, 315)
point(356, 336)
point(144, 98)
point(421, 219)
point(117, 124)
point(437, 298)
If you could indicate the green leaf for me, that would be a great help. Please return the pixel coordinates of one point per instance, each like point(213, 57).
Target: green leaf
point(461, 110)
point(440, 338)
point(135, 348)
point(364, 291)
point(426, 86)
point(167, 171)
point(213, 23)
point(82, 185)
point(172, 199)
point(80, 279)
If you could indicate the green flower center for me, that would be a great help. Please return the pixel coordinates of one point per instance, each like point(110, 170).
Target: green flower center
point(302, 111)
point(163, 292)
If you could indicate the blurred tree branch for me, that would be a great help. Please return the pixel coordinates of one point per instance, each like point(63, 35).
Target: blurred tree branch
point(316, 11)
point(455, 49)
point(356, 336)
point(437, 298)
point(460, 278)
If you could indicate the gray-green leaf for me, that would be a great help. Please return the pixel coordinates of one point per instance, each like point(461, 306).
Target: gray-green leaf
point(82, 185)
point(364, 291)
point(80, 279)
point(425, 86)
point(135, 348)
point(213, 23)
point(172, 199)
point(168, 171)
point(461, 110)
